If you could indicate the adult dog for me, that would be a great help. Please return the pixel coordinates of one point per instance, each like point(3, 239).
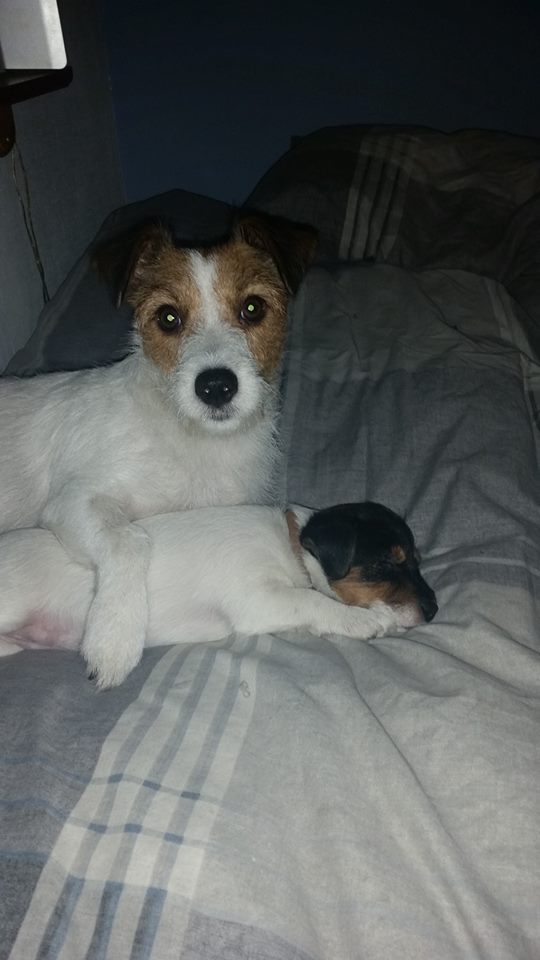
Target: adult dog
point(187, 420)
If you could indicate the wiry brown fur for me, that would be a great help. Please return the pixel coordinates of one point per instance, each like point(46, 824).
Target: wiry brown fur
point(243, 271)
point(161, 276)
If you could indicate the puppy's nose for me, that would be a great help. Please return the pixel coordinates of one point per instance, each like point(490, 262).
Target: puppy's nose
point(216, 387)
point(429, 608)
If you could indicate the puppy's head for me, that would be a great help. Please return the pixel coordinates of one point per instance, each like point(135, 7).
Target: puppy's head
point(213, 318)
point(367, 553)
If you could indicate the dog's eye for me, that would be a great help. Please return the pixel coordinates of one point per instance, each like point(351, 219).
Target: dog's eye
point(253, 309)
point(168, 319)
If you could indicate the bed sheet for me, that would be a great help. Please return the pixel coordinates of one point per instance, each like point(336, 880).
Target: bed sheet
point(297, 798)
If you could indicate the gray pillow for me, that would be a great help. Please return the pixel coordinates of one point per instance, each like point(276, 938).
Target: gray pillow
point(420, 199)
point(81, 326)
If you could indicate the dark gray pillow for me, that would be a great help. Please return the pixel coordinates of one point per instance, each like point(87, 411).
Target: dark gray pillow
point(420, 199)
point(81, 326)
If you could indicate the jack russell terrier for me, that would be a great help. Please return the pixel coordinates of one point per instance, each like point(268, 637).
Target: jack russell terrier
point(187, 420)
point(350, 570)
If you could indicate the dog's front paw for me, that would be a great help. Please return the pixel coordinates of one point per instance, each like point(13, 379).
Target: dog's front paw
point(113, 644)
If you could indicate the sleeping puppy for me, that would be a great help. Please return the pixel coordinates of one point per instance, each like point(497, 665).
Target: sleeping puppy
point(350, 570)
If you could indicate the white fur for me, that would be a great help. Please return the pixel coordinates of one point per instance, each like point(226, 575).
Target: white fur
point(85, 453)
point(203, 271)
point(218, 346)
point(213, 572)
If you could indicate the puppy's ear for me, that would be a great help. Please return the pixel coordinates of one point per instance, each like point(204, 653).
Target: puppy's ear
point(123, 260)
point(332, 541)
point(292, 246)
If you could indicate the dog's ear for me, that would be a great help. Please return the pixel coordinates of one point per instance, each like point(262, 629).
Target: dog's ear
point(332, 541)
point(123, 260)
point(292, 246)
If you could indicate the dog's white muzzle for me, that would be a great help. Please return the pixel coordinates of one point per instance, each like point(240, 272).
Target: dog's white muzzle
point(217, 382)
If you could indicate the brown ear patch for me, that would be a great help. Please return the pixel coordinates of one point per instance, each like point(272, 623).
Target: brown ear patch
point(148, 251)
point(122, 259)
point(292, 246)
point(398, 554)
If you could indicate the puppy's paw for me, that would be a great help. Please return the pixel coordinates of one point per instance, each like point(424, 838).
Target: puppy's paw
point(113, 644)
point(408, 615)
point(363, 623)
point(386, 619)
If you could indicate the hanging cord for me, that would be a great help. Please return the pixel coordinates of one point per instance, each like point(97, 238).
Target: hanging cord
point(23, 193)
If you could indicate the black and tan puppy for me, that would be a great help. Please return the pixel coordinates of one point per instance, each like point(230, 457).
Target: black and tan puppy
point(368, 553)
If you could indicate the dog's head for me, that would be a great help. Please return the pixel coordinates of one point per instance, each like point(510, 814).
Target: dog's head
point(213, 318)
point(367, 553)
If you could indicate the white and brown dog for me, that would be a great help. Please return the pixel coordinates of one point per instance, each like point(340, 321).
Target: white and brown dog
point(187, 420)
point(230, 570)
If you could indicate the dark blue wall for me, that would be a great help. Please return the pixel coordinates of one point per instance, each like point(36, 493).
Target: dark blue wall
point(207, 95)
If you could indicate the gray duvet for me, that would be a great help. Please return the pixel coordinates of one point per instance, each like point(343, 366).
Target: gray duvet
point(293, 798)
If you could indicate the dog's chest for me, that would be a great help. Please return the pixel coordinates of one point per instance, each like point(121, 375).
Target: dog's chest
point(197, 471)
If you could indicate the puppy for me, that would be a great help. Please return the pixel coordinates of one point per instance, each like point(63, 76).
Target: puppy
point(230, 570)
point(187, 420)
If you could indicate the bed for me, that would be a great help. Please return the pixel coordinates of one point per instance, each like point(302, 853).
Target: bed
point(296, 798)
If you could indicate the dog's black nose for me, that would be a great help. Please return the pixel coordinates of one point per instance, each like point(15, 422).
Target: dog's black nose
point(216, 387)
point(429, 608)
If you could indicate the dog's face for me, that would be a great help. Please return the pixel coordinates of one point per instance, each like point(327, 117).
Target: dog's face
point(213, 319)
point(367, 553)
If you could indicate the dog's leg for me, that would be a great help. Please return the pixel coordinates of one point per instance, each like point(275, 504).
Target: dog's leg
point(95, 529)
point(289, 608)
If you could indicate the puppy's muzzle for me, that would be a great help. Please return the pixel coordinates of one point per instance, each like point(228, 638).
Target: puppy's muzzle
point(216, 387)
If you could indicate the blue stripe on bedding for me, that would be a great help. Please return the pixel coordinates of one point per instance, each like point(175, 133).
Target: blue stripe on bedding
point(104, 921)
point(148, 923)
point(23, 856)
point(57, 927)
